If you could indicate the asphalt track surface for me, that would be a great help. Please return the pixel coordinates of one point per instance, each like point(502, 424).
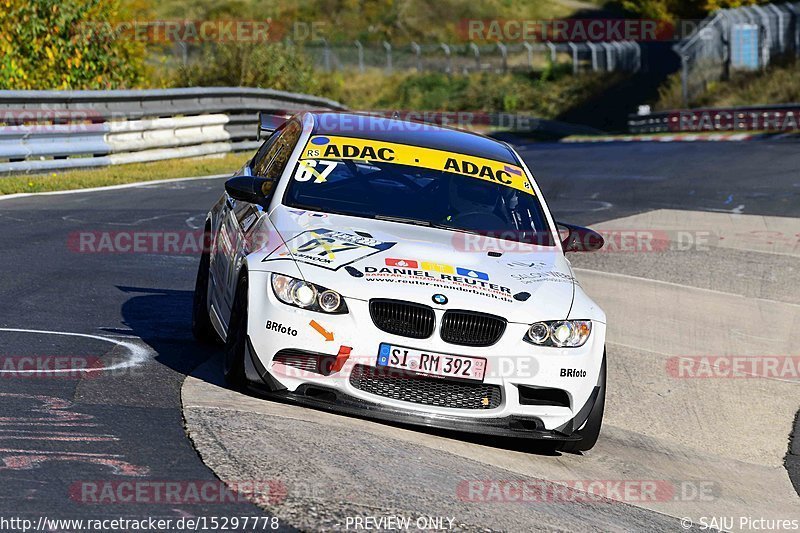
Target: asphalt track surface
point(62, 434)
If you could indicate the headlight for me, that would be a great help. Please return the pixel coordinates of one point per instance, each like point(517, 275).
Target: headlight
point(305, 295)
point(559, 333)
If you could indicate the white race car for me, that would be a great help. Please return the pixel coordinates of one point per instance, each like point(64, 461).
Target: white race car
point(407, 272)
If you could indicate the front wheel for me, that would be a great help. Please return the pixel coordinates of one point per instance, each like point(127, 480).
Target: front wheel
point(233, 364)
point(591, 430)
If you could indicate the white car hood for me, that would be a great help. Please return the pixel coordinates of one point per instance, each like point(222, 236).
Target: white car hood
point(366, 258)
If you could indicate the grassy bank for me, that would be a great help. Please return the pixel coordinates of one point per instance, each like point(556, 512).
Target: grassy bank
point(547, 94)
point(159, 170)
point(779, 84)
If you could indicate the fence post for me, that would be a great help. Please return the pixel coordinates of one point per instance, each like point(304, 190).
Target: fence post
point(184, 52)
point(794, 22)
point(781, 37)
point(685, 80)
point(619, 53)
point(610, 63)
point(477, 53)
point(764, 16)
point(446, 49)
point(360, 48)
point(552, 48)
point(593, 49)
point(416, 49)
point(504, 54)
point(529, 47)
point(574, 48)
point(326, 55)
point(387, 45)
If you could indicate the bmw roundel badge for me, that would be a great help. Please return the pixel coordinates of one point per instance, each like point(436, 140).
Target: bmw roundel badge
point(440, 299)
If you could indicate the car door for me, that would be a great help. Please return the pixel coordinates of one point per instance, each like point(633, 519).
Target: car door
point(239, 219)
point(226, 242)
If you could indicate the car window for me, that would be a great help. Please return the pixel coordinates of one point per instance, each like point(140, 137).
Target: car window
point(276, 155)
point(260, 160)
point(417, 185)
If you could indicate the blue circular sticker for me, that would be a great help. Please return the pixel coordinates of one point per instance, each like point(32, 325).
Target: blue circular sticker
point(320, 140)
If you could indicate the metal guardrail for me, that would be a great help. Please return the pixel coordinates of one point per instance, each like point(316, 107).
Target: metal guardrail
point(772, 118)
point(49, 130)
point(42, 131)
point(466, 58)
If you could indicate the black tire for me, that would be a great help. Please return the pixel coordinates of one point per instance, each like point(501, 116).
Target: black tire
point(235, 345)
point(202, 328)
point(591, 430)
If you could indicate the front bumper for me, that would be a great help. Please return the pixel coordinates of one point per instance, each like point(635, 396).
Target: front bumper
point(331, 400)
point(513, 366)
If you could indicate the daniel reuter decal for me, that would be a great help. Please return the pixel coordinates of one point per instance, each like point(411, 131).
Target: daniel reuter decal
point(329, 249)
point(437, 275)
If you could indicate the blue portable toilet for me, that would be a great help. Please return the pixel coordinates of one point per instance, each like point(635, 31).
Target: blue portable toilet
point(745, 46)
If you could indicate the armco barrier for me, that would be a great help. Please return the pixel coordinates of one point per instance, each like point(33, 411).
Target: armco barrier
point(48, 130)
point(784, 118)
point(41, 131)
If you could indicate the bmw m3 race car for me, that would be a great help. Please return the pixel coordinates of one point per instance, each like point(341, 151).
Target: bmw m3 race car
point(403, 271)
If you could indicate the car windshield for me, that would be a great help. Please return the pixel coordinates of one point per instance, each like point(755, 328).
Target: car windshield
point(496, 202)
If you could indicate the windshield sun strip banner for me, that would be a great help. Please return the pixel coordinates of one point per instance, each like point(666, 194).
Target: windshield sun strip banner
point(352, 148)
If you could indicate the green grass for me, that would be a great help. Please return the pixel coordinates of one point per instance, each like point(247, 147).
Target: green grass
point(546, 94)
point(370, 21)
point(133, 173)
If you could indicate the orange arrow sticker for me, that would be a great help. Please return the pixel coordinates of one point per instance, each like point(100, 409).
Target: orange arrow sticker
point(322, 331)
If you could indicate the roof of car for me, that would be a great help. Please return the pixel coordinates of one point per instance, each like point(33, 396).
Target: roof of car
point(424, 134)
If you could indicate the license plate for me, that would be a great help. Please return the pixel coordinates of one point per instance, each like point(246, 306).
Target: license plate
point(432, 363)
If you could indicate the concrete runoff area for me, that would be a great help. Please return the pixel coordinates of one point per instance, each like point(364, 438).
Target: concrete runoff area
point(717, 440)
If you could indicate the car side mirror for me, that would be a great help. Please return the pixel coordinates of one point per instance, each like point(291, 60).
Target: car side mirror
point(579, 239)
point(252, 189)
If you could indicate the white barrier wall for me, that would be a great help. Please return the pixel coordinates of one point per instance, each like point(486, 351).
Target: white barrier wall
point(41, 131)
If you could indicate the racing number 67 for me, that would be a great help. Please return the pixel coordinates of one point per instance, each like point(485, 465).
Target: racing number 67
point(306, 170)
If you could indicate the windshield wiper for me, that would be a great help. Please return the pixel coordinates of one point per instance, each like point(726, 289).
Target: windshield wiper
point(453, 228)
point(414, 221)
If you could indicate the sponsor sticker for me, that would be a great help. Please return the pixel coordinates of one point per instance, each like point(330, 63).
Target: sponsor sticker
point(281, 328)
point(437, 276)
point(328, 248)
point(402, 263)
point(351, 148)
point(474, 274)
